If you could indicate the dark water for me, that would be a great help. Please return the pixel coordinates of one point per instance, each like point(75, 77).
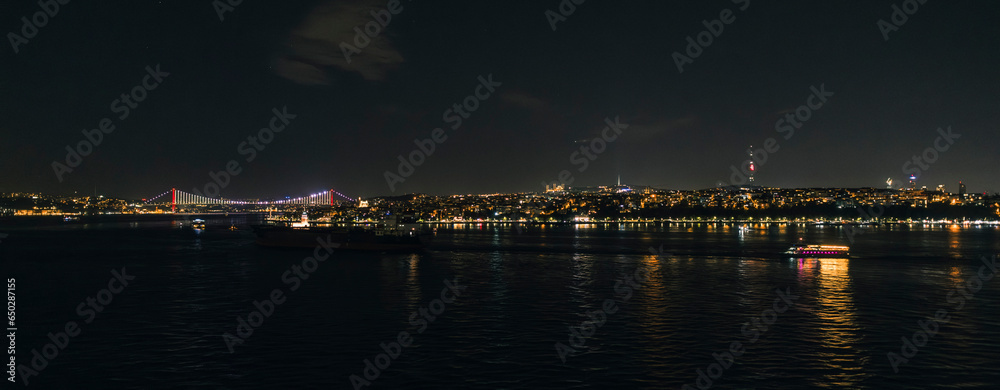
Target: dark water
point(523, 290)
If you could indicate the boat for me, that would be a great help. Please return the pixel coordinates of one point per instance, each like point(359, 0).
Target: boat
point(803, 250)
point(198, 224)
point(388, 236)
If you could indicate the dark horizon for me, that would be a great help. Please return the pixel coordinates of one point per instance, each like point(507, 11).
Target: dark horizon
point(222, 80)
point(340, 197)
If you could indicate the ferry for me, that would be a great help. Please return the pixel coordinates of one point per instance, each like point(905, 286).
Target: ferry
point(802, 250)
point(388, 236)
point(198, 224)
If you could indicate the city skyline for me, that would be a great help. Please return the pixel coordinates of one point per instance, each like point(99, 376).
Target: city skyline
point(211, 192)
point(749, 197)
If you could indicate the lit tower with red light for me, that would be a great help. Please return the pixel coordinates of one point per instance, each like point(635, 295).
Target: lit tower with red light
point(753, 167)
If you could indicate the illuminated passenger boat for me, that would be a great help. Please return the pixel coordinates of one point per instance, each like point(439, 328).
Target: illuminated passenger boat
point(800, 250)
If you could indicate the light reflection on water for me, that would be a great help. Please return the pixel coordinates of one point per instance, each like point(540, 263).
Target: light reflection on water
point(838, 326)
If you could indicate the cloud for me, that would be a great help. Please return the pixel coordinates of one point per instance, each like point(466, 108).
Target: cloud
point(523, 100)
point(313, 48)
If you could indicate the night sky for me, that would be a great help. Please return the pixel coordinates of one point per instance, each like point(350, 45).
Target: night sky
point(607, 59)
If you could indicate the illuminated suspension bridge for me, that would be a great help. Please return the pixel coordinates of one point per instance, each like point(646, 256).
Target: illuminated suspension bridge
point(175, 197)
